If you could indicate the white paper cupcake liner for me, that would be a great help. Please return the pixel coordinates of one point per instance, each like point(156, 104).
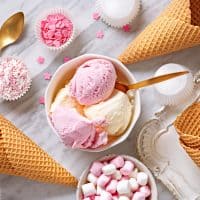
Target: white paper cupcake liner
point(173, 100)
point(38, 28)
point(29, 83)
point(117, 23)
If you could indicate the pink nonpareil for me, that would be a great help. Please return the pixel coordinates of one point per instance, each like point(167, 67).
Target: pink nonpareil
point(93, 82)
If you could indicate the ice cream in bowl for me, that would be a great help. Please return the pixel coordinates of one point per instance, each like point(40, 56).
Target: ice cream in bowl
point(116, 177)
point(83, 107)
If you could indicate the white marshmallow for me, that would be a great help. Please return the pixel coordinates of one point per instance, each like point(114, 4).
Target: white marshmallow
point(134, 173)
point(92, 178)
point(105, 196)
point(123, 187)
point(142, 178)
point(138, 196)
point(133, 184)
point(117, 175)
point(109, 169)
point(99, 190)
point(88, 189)
point(123, 198)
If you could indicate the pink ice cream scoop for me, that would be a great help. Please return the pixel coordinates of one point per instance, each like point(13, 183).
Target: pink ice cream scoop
point(75, 130)
point(93, 82)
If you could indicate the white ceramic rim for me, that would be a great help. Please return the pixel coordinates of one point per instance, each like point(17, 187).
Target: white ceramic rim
point(127, 73)
point(139, 164)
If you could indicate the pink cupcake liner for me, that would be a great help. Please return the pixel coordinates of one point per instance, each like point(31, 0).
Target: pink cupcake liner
point(38, 28)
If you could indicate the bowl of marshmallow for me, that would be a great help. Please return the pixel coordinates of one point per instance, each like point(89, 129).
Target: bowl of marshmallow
point(116, 177)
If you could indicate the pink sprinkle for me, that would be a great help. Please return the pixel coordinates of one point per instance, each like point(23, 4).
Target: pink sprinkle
point(41, 100)
point(96, 16)
point(66, 59)
point(40, 60)
point(47, 76)
point(14, 78)
point(100, 34)
point(56, 29)
point(126, 28)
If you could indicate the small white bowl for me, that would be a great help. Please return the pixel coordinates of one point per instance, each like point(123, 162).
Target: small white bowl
point(66, 71)
point(139, 165)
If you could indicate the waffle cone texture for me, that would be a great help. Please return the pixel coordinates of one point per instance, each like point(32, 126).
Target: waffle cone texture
point(188, 127)
point(178, 27)
point(20, 156)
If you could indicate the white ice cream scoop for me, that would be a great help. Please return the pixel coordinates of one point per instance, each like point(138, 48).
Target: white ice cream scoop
point(173, 91)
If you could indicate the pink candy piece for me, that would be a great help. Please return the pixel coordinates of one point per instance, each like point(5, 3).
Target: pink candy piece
point(118, 162)
point(96, 16)
point(112, 187)
point(96, 168)
point(40, 60)
point(47, 76)
point(126, 28)
point(145, 190)
point(56, 29)
point(100, 34)
point(66, 59)
point(138, 196)
point(103, 180)
point(41, 100)
point(127, 168)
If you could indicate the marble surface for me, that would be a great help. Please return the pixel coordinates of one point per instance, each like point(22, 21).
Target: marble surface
point(29, 115)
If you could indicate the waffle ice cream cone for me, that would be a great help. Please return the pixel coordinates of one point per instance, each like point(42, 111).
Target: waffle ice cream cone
point(178, 27)
point(188, 127)
point(20, 156)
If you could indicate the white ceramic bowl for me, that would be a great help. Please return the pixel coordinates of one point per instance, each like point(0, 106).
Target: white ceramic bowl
point(139, 165)
point(66, 71)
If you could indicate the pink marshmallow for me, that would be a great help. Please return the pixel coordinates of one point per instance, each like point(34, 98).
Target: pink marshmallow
point(97, 198)
point(125, 178)
point(118, 162)
point(103, 180)
point(96, 168)
point(112, 187)
point(145, 190)
point(127, 168)
point(138, 196)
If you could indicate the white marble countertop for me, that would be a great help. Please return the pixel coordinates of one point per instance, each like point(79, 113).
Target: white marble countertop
point(29, 115)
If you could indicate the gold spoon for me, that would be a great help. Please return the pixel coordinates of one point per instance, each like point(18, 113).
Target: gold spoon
point(11, 29)
point(124, 87)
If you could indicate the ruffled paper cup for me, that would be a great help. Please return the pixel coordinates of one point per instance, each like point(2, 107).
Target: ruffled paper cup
point(44, 16)
point(141, 167)
point(26, 86)
point(118, 22)
point(179, 97)
point(64, 74)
